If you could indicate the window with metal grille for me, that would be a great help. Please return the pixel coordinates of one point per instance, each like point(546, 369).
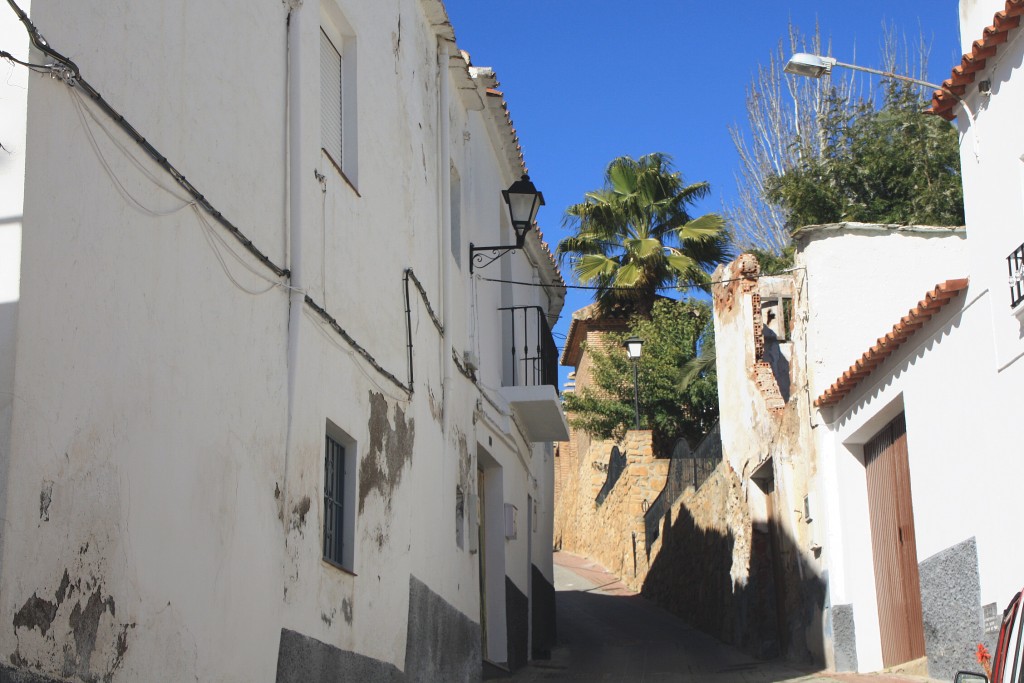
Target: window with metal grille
point(331, 123)
point(334, 502)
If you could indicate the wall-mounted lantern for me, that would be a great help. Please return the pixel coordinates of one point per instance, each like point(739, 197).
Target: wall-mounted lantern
point(524, 200)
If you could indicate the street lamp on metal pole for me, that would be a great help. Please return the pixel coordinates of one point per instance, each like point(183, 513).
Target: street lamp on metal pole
point(816, 66)
point(633, 346)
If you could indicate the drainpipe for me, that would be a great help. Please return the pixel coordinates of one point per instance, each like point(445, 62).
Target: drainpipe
point(445, 174)
point(293, 197)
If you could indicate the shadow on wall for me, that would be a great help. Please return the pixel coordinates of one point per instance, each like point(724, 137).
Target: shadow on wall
point(775, 613)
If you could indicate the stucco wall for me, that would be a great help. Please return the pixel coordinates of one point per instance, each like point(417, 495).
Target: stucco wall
point(948, 359)
point(167, 444)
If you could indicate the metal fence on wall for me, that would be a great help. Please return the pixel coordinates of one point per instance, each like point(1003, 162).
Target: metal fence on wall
point(686, 468)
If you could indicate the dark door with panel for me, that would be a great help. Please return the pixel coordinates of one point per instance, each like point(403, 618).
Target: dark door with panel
point(897, 583)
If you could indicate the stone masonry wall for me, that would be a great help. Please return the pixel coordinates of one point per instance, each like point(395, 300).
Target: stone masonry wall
point(611, 533)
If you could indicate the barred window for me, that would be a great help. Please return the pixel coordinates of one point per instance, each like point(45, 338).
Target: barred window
point(334, 502)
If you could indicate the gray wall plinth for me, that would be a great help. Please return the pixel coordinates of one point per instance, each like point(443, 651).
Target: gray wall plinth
point(951, 609)
point(844, 638)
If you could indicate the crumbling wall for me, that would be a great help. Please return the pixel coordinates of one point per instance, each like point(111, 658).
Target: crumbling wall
point(766, 440)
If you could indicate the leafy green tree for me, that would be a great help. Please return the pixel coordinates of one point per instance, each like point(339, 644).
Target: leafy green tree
point(635, 235)
point(887, 165)
point(672, 337)
point(818, 150)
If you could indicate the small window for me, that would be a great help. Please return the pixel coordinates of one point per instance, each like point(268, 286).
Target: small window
point(334, 502)
point(339, 73)
point(331, 123)
point(339, 498)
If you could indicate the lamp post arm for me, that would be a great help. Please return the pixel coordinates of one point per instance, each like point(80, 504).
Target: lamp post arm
point(898, 77)
point(934, 86)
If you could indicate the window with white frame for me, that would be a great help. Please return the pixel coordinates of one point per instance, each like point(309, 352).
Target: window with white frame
point(338, 93)
point(331, 124)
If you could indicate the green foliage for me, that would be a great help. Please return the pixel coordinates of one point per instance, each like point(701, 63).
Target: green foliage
point(673, 336)
point(636, 233)
point(887, 165)
point(772, 263)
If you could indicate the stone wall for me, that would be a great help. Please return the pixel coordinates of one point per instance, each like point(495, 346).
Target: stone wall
point(612, 533)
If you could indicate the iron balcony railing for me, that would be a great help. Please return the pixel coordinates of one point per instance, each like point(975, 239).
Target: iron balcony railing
point(533, 357)
point(1015, 264)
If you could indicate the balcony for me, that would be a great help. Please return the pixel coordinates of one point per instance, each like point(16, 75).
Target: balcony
point(530, 373)
point(1015, 265)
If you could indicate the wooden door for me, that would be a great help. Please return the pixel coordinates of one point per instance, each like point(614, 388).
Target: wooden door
point(778, 566)
point(897, 583)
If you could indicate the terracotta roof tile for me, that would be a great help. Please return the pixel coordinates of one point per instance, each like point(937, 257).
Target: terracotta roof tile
point(944, 103)
point(885, 346)
point(504, 118)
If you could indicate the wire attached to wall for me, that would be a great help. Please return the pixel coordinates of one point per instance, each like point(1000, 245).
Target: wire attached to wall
point(68, 72)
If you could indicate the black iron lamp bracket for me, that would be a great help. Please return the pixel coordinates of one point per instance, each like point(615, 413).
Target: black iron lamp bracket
point(478, 260)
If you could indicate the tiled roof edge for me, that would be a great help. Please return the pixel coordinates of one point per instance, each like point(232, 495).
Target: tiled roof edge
point(944, 101)
point(885, 346)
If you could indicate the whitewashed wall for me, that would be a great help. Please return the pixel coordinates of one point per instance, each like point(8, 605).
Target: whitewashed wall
point(167, 441)
point(992, 163)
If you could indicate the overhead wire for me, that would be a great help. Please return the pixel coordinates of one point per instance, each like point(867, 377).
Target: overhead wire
point(619, 288)
point(38, 68)
point(65, 70)
point(211, 235)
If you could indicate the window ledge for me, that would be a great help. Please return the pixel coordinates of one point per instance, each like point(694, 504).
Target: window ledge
point(337, 169)
point(341, 568)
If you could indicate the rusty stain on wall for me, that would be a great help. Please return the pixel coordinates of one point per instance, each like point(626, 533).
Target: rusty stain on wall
point(388, 453)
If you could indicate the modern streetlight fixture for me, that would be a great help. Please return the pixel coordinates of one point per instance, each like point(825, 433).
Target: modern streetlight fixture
point(524, 200)
point(816, 66)
point(633, 346)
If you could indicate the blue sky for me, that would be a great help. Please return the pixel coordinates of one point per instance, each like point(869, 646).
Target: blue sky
point(589, 80)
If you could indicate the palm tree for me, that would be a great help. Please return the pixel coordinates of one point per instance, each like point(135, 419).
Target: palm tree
point(635, 236)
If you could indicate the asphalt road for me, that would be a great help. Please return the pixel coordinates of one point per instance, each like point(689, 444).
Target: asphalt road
point(608, 634)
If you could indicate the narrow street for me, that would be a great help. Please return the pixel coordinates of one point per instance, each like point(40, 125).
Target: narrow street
point(608, 633)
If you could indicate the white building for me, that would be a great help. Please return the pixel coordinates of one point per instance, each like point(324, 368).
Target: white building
point(260, 424)
point(917, 432)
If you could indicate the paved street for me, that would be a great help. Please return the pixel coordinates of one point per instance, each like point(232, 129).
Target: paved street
point(607, 633)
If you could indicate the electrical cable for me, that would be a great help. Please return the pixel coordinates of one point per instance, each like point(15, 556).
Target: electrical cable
point(105, 163)
point(313, 314)
point(38, 68)
point(329, 319)
point(662, 288)
point(68, 72)
point(209, 233)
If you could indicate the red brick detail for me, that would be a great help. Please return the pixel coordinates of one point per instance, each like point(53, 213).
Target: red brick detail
point(885, 346)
